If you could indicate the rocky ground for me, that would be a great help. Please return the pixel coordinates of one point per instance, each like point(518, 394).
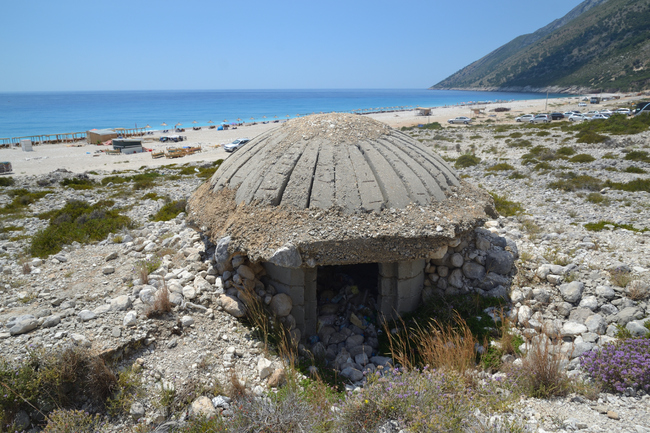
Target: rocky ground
point(571, 281)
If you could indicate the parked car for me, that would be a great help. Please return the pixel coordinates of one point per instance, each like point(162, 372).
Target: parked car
point(231, 147)
point(599, 116)
point(642, 107)
point(625, 111)
point(568, 114)
point(461, 119)
point(525, 118)
point(582, 104)
point(557, 116)
point(576, 117)
point(541, 118)
point(606, 111)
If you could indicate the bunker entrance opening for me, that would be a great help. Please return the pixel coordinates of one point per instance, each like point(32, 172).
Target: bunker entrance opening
point(346, 290)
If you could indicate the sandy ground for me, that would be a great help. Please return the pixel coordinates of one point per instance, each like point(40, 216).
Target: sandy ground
point(46, 158)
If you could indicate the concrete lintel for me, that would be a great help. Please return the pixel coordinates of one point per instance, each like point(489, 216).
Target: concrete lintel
point(288, 276)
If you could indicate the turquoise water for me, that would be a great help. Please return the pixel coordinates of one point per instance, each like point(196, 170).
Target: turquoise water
point(34, 113)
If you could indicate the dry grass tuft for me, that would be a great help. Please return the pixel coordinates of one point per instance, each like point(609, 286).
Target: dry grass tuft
point(161, 304)
point(450, 346)
point(542, 373)
point(237, 389)
point(637, 290)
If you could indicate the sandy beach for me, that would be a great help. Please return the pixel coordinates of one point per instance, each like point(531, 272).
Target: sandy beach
point(82, 157)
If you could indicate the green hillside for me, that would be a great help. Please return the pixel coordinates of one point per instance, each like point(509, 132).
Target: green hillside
point(601, 45)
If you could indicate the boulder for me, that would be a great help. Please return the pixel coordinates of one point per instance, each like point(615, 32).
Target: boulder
point(232, 305)
point(202, 407)
point(499, 261)
point(572, 292)
point(246, 272)
point(281, 304)
point(286, 256)
point(474, 270)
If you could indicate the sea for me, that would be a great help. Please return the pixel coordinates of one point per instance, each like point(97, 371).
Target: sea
point(45, 113)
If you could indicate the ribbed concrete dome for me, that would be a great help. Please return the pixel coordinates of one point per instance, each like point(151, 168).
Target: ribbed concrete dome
point(335, 160)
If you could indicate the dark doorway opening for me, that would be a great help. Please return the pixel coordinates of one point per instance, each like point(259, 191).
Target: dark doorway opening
point(348, 289)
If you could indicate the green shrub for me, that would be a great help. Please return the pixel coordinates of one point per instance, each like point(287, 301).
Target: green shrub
point(76, 221)
point(565, 151)
point(573, 182)
point(600, 225)
point(637, 155)
point(500, 167)
point(467, 160)
point(597, 198)
point(79, 183)
point(170, 210)
point(21, 199)
point(635, 170)
point(610, 155)
point(520, 143)
point(516, 135)
point(543, 133)
point(517, 175)
point(7, 181)
point(631, 186)
point(506, 207)
point(543, 166)
point(63, 379)
point(582, 158)
point(432, 125)
point(590, 137)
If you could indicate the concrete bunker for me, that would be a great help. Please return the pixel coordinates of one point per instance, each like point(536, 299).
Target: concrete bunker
point(337, 190)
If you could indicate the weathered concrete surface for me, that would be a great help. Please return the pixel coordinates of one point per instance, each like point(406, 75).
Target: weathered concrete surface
point(336, 160)
point(341, 189)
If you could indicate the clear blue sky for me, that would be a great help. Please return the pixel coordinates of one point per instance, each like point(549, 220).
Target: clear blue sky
point(140, 45)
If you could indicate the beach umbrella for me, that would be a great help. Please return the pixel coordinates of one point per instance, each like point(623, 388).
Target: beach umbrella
point(225, 120)
point(147, 126)
point(297, 115)
point(238, 119)
point(163, 124)
point(252, 118)
point(210, 121)
point(275, 117)
point(287, 116)
point(195, 121)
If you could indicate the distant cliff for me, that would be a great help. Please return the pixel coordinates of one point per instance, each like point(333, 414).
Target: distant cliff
point(601, 45)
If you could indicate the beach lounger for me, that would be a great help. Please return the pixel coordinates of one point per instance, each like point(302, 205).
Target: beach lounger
point(5, 167)
point(113, 152)
point(192, 150)
point(156, 155)
point(174, 153)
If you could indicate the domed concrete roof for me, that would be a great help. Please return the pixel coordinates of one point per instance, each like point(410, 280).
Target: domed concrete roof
point(344, 160)
point(336, 189)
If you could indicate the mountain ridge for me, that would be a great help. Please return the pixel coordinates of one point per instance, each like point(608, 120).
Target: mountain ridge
point(600, 45)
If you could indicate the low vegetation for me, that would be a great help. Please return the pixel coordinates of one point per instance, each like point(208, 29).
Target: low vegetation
point(76, 221)
point(582, 158)
point(506, 207)
point(22, 198)
point(602, 225)
point(170, 210)
point(573, 182)
point(467, 160)
point(6, 181)
point(500, 167)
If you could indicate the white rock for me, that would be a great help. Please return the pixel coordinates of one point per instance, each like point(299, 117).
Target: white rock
point(572, 329)
point(264, 368)
point(130, 319)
